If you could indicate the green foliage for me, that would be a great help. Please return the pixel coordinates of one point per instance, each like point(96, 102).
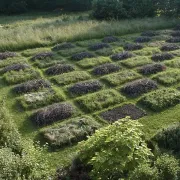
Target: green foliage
point(100, 100)
point(175, 63)
point(161, 99)
point(109, 153)
point(121, 77)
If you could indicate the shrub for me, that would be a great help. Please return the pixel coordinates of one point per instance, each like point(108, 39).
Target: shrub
point(72, 77)
point(109, 154)
point(106, 69)
point(98, 46)
point(176, 33)
point(168, 138)
point(121, 56)
point(70, 132)
point(139, 87)
point(149, 33)
point(121, 77)
point(116, 9)
point(133, 47)
point(6, 55)
point(123, 111)
point(173, 40)
point(110, 39)
point(88, 63)
point(100, 100)
point(59, 69)
point(52, 113)
point(63, 46)
point(168, 167)
point(136, 61)
point(31, 86)
point(85, 87)
point(161, 99)
point(169, 47)
point(42, 56)
point(162, 57)
point(151, 69)
point(142, 39)
point(168, 77)
point(14, 77)
point(39, 99)
point(15, 67)
point(82, 55)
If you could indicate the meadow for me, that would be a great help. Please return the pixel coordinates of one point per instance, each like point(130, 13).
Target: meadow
point(64, 76)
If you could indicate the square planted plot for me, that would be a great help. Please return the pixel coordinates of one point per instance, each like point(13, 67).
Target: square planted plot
point(72, 77)
point(168, 77)
point(82, 55)
point(121, 56)
point(133, 47)
point(136, 61)
point(175, 63)
point(89, 63)
point(53, 113)
point(161, 99)
point(86, 87)
point(32, 86)
point(162, 57)
point(43, 56)
point(173, 40)
point(6, 55)
point(15, 67)
point(170, 47)
point(98, 46)
point(105, 69)
point(151, 69)
point(16, 77)
point(40, 99)
point(70, 132)
point(99, 100)
point(59, 69)
point(122, 112)
point(121, 77)
point(70, 52)
point(63, 46)
point(139, 87)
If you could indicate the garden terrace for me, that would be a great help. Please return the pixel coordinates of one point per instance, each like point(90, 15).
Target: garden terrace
point(98, 46)
point(121, 112)
point(133, 47)
point(43, 56)
point(139, 87)
point(97, 101)
point(73, 131)
point(151, 69)
point(136, 61)
point(121, 56)
point(40, 99)
point(15, 67)
point(31, 86)
point(170, 47)
point(52, 113)
point(149, 33)
point(168, 77)
point(89, 63)
point(5, 55)
point(105, 69)
point(161, 99)
point(16, 77)
point(110, 39)
point(121, 77)
point(176, 33)
point(162, 57)
point(142, 39)
point(85, 87)
point(59, 69)
point(82, 55)
point(63, 46)
point(72, 77)
point(173, 40)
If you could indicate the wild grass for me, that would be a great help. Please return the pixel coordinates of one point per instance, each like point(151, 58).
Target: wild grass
point(22, 32)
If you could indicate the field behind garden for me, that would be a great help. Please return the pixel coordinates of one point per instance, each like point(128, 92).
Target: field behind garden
point(66, 75)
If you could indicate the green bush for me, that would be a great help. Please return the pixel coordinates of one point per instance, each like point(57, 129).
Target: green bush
point(109, 153)
point(118, 9)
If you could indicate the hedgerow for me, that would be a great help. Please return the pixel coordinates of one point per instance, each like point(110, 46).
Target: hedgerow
point(170, 47)
point(133, 47)
point(43, 56)
point(162, 57)
point(121, 56)
point(82, 55)
point(6, 55)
